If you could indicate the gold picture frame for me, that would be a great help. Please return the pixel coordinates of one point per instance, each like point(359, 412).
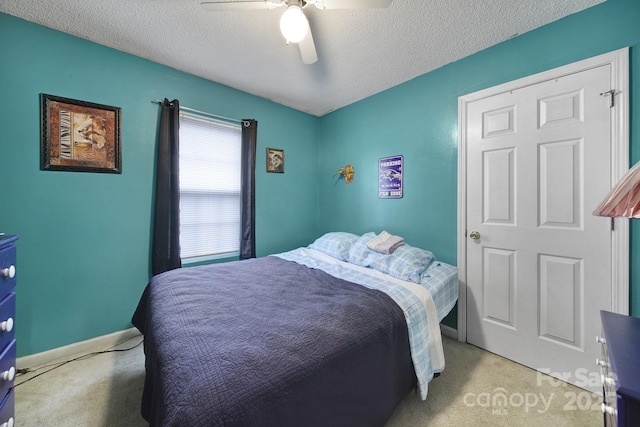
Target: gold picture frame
point(80, 136)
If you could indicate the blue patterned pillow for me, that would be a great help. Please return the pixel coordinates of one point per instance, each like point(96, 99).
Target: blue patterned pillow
point(336, 244)
point(405, 263)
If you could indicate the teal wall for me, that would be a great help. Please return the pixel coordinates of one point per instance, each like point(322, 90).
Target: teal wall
point(84, 247)
point(419, 119)
point(83, 253)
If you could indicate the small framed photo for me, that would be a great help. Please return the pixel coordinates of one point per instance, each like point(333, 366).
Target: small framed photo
point(275, 160)
point(79, 136)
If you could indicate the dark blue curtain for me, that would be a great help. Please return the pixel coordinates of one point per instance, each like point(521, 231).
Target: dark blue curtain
point(248, 192)
point(166, 219)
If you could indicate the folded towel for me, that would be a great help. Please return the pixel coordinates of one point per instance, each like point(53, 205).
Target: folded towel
point(385, 243)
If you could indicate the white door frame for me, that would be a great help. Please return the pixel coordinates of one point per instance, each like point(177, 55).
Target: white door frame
point(619, 62)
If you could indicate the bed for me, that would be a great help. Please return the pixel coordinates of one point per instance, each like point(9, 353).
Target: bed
point(331, 334)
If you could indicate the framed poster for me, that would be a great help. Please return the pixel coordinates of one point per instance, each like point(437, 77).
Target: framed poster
point(390, 183)
point(79, 136)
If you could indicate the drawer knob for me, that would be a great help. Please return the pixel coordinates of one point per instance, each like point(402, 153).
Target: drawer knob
point(9, 375)
point(606, 409)
point(7, 325)
point(608, 381)
point(7, 423)
point(9, 272)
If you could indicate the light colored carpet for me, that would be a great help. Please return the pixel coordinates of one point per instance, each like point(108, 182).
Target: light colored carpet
point(477, 388)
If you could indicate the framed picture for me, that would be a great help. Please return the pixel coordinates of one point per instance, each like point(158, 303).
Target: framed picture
point(275, 160)
point(79, 136)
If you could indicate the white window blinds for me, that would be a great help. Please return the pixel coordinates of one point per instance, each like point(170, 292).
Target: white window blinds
point(209, 187)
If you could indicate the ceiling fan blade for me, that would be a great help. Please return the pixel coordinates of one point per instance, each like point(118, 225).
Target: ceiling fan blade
point(240, 4)
point(353, 4)
point(308, 49)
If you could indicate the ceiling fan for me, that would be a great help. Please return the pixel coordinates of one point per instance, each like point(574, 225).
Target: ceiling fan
point(293, 23)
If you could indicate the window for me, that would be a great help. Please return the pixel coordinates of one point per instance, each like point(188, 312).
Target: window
point(210, 156)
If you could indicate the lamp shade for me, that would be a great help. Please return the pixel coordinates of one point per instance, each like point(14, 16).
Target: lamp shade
point(624, 200)
point(294, 25)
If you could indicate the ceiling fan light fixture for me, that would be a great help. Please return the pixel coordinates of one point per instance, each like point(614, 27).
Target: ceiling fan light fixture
point(294, 25)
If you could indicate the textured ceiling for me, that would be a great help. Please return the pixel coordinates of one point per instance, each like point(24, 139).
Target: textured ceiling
point(361, 52)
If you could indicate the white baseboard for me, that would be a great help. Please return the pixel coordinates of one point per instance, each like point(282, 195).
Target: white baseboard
point(448, 331)
point(76, 349)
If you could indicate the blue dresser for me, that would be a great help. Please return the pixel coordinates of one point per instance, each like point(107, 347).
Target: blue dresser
point(620, 369)
point(7, 321)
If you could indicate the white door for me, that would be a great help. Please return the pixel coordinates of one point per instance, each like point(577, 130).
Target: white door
point(538, 263)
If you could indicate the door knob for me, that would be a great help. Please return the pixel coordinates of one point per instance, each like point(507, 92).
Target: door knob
point(474, 235)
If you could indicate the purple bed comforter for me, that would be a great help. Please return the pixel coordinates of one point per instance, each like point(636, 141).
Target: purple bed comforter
point(269, 342)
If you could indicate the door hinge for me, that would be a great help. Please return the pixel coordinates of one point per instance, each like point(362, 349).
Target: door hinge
point(611, 94)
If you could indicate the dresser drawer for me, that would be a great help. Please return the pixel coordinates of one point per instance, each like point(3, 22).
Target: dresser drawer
point(7, 320)
point(7, 408)
point(7, 269)
point(7, 368)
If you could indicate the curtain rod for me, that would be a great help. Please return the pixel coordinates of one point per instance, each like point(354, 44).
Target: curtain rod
point(204, 113)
